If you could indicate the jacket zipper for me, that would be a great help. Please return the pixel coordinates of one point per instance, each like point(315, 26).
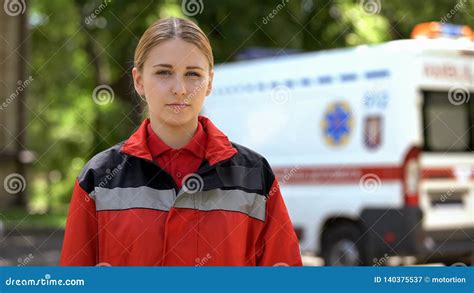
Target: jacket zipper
point(175, 186)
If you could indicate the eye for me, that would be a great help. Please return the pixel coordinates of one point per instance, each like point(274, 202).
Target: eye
point(164, 72)
point(193, 73)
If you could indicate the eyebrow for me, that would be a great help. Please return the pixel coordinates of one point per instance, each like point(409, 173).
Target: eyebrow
point(171, 66)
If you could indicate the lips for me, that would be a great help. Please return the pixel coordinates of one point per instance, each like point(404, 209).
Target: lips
point(177, 106)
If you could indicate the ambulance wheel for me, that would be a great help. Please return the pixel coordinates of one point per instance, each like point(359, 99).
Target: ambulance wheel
point(340, 246)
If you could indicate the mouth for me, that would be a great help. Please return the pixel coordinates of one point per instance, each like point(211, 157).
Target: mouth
point(178, 106)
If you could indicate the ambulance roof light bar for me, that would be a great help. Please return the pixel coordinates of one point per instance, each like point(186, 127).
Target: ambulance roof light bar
point(434, 30)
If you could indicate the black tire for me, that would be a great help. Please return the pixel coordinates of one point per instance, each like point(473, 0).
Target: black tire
point(342, 246)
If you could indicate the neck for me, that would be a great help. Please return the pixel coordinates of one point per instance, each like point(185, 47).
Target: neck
point(174, 136)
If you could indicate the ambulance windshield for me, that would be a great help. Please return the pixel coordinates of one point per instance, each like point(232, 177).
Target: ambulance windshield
point(448, 122)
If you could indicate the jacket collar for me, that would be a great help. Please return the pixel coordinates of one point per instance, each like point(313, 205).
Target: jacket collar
point(218, 147)
point(196, 145)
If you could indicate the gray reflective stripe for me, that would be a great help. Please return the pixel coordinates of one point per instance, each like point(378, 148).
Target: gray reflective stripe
point(252, 204)
point(133, 197)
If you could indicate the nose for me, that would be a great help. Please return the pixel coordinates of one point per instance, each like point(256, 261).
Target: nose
point(179, 88)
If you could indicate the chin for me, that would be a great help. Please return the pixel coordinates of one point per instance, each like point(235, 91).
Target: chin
point(178, 119)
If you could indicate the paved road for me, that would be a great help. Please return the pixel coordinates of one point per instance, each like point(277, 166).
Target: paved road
point(31, 247)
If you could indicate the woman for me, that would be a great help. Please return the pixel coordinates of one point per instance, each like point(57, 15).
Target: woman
point(177, 192)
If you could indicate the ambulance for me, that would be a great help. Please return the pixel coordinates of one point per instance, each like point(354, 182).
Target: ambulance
point(372, 145)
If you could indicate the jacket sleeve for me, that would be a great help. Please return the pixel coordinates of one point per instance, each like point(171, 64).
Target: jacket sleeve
point(80, 239)
point(278, 243)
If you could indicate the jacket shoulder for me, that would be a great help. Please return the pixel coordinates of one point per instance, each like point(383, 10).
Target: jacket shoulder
point(246, 154)
point(251, 159)
point(100, 165)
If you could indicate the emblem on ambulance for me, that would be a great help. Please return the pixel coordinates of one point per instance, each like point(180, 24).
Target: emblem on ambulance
point(373, 131)
point(337, 123)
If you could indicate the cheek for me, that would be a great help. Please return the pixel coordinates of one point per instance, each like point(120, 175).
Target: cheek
point(153, 85)
point(197, 87)
point(154, 92)
point(154, 106)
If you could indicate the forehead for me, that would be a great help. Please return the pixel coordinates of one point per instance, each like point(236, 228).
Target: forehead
point(177, 53)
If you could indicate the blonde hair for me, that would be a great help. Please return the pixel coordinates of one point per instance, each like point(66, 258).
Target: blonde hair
point(169, 28)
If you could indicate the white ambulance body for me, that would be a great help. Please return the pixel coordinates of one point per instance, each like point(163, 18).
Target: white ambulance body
point(372, 145)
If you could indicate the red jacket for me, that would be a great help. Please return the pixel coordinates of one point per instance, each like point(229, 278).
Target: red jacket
point(178, 162)
point(126, 210)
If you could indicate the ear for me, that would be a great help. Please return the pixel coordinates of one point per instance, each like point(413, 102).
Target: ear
point(138, 81)
point(209, 85)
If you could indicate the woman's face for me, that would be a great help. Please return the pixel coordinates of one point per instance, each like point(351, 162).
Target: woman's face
point(175, 79)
